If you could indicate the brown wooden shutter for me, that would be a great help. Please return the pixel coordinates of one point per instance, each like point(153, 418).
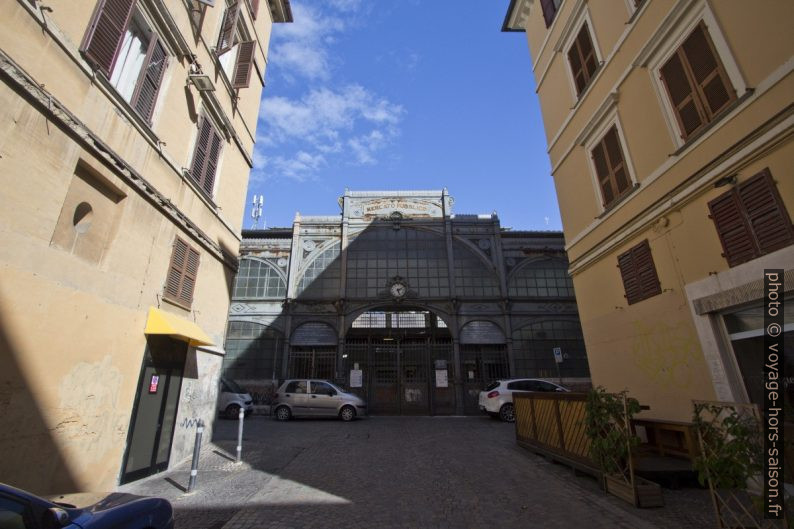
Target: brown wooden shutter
point(637, 269)
point(205, 156)
point(732, 228)
point(766, 212)
point(549, 10)
point(254, 8)
point(104, 36)
point(228, 28)
point(173, 284)
point(148, 87)
point(711, 80)
point(751, 220)
point(244, 65)
point(610, 167)
point(189, 276)
point(582, 58)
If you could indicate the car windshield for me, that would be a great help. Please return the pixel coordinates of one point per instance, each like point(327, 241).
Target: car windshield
point(233, 386)
point(492, 385)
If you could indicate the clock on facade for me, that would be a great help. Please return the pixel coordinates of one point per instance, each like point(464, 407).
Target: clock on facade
point(398, 290)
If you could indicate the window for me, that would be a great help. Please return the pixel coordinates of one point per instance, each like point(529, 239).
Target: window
point(205, 156)
point(583, 60)
point(697, 84)
point(533, 347)
point(182, 272)
point(256, 279)
point(253, 351)
point(235, 50)
point(297, 386)
point(610, 165)
point(321, 388)
point(541, 278)
point(122, 45)
point(639, 273)
point(751, 219)
point(550, 8)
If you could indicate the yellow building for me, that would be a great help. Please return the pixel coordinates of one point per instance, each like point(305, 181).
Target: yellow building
point(669, 128)
point(126, 139)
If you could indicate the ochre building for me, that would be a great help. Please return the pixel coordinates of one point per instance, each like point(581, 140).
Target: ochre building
point(670, 130)
point(126, 139)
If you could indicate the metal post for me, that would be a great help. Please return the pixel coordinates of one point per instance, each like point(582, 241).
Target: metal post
point(196, 451)
point(240, 417)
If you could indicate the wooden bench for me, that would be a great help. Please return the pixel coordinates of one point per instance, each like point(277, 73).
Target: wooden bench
point(674, 438)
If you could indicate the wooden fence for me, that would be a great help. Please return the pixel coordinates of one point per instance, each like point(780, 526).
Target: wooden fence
point(553, 424)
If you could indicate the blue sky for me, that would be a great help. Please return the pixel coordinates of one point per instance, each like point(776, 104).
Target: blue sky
point(401, 94)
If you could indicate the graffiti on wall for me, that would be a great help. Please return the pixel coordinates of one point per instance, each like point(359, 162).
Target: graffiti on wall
point(665, 353)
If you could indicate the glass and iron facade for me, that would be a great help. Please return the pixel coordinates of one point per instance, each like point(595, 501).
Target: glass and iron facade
point(404, 302)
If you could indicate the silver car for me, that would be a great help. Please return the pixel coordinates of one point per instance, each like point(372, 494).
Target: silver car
point(304, 397)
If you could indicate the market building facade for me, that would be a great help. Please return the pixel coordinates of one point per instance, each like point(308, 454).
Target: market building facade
point(403, 302)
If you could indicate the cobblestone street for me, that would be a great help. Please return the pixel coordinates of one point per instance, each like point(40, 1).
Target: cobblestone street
point(435, 472)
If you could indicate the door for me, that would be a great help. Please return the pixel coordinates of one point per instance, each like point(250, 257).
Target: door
point(324, 400)
point(414, 378)
point(156, 404)
point(296, 394)
point(385, 390)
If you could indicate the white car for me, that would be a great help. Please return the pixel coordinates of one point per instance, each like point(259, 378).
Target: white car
point(497, 399)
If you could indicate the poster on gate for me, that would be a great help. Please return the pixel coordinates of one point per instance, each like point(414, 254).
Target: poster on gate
point(441, 378)
point(356, 376)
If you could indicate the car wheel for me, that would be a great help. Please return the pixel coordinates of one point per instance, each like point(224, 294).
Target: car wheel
point(232, 411)
point(283, 413)
point(347, 413)
point(507, 413)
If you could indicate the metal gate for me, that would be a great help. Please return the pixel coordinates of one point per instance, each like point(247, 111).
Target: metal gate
point(312, 362)
point(482, 364)
point(398, 376)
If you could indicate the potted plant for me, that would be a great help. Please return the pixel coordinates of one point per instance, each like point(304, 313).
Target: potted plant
point(612, 442)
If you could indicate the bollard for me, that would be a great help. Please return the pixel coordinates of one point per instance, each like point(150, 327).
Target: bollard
point(196, 451)
point(241, 417)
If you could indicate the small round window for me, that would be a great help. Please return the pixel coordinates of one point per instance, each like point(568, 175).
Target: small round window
point(83, 216)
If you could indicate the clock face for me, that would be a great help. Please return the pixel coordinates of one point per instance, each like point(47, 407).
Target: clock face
point(398, 290)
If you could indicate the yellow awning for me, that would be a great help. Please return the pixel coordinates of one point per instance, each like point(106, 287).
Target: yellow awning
point(161, 322)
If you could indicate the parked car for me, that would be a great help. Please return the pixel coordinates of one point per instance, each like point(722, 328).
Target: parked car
point(315, 398)
point(22, 510)
point(232, 397)
point(497, 399)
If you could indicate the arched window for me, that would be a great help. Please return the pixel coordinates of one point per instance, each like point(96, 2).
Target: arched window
point(258, 279)
point(252, 351)
point(322, 275)
point(545, 277)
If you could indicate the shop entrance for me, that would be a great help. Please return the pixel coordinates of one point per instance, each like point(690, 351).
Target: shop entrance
point(401, 363)
point(156, 403)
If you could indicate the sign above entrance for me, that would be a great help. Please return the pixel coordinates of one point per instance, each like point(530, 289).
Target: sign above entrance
point(396, 204)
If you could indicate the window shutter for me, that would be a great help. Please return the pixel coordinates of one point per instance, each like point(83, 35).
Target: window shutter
point(766, 212)
point(617, 164)
point(682, 95)
point(577, 70)
point(549, 10)
point(226, 38)
point(254, 8)
point(173, 284)
point(640, 280)
point(582, 59)
point(102, 41)
point(602, 171)
point(710, 77)
point(189, 276)
point(732, 228)
point(205, 156)
point(149, 82)
point(245, 63)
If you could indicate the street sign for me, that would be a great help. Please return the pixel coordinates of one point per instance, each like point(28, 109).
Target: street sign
point(557, 354)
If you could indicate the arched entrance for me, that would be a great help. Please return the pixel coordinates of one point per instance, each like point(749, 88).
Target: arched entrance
point(401, 362)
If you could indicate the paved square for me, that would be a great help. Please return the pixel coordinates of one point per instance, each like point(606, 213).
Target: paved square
point(397, 472)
